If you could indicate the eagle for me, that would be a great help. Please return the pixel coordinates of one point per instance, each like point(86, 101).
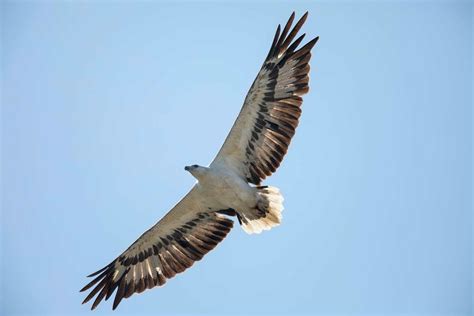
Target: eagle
point(230, 187)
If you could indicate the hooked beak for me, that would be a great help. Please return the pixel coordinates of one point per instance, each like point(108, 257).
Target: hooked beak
point(187, 168)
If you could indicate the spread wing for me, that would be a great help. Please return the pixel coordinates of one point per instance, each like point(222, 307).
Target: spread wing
point(260, 136)
point(180, 238)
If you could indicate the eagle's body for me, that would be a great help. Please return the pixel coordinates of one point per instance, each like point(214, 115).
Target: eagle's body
point(223, 188)
point(230, 186)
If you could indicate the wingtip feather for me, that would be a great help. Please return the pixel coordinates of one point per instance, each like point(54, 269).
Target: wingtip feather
point(312, 42)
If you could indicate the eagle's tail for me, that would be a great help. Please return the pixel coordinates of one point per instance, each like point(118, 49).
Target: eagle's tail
point(266, 214)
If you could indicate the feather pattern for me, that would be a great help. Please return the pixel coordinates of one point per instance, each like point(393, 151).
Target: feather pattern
point(182, 237)
point(260, 136)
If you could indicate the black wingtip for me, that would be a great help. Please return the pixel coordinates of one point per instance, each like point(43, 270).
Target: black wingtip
point(307, 47)
point(274, 43)
point(310, 44)
point(99, 271)
point(115, 306)
point(284, 43)
point(286, 29)
point(303, 17)
point(295, 44)
point(292, 16)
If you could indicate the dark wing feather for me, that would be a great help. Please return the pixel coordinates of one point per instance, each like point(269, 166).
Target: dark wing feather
point(260, 137)
point(182, 237)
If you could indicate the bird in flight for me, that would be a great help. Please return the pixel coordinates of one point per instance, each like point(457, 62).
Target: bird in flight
point(231, 185)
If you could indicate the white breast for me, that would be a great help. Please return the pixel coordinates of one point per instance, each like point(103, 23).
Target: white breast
point(227, 190)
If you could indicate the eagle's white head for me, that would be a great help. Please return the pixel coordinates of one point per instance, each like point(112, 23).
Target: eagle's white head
point(197, 171)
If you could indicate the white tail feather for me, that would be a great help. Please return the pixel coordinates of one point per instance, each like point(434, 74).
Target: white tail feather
point(267, 213)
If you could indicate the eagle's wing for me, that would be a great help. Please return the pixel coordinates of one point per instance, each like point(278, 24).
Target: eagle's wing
point(184, 235)
point(263, 130)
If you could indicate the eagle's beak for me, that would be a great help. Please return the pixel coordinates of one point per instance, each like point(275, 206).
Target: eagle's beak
point(187, 168)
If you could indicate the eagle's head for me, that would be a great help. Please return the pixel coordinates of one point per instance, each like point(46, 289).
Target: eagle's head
point(191, 168)
point(196, 170)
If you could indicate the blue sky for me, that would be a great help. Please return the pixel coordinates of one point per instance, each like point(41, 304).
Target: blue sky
point(104, 103)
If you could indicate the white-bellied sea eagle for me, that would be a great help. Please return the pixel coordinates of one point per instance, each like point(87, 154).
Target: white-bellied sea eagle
point(230, 186)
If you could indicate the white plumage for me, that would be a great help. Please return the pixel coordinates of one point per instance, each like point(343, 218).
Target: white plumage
point(229, 187)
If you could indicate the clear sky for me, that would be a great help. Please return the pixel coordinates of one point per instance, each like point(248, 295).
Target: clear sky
point(103, 105)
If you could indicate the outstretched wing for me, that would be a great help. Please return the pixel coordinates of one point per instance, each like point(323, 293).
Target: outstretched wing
point(260, 136)
point(180, 238)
